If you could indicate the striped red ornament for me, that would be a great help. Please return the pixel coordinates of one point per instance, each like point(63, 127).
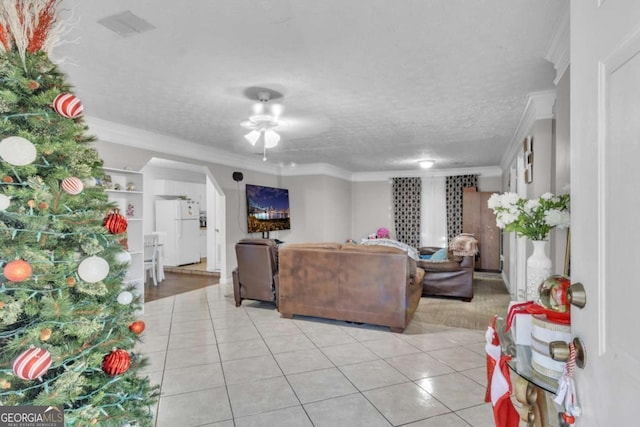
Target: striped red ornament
point(115, 223)
point(117, 362)
point(72, 185)
point(67, 105)
point(32, 363)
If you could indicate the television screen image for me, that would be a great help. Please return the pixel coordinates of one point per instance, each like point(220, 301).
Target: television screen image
point(267, 209)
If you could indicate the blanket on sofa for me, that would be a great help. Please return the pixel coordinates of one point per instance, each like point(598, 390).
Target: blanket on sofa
point(464, 245)
point(410, 250)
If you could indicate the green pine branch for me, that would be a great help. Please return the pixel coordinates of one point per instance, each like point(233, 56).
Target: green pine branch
point(77, 322)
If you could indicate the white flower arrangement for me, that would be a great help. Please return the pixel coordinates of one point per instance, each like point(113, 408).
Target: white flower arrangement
point(533, 219)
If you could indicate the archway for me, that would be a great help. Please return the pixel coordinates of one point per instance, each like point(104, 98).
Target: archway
point(198, 179)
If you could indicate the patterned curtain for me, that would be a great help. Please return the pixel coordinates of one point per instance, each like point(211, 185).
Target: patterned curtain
point(455, 186)
point(406, 210)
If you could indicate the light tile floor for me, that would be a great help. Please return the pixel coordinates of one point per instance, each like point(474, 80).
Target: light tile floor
point(223, 366)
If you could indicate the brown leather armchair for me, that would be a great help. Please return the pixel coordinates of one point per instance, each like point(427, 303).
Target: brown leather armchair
point(256, 276)
point(453, 277)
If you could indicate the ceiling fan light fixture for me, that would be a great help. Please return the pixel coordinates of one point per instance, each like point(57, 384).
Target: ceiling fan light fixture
point(252, 137)
point(257, 108)
point(262, 121)
point(276, 110)
point(426, 164)
point(271, 138)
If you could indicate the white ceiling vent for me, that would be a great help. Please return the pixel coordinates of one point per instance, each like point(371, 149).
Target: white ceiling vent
point(126, 24)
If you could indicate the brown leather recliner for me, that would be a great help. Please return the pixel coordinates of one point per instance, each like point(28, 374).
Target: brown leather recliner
point(450, 278)
point(256, 276)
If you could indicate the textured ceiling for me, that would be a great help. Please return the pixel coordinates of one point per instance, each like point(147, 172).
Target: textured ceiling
point(368, 85)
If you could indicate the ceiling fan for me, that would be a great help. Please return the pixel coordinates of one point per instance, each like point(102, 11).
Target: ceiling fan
point(264, 121)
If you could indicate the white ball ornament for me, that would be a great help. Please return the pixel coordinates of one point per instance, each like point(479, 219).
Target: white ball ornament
point(72, 185)
point(123, 257)
point(5, 201)
point(89, 182)
point(93, 269)
point(125, 297)
point(17, 151)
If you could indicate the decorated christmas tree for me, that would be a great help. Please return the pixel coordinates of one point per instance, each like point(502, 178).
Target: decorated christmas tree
point(68, 320)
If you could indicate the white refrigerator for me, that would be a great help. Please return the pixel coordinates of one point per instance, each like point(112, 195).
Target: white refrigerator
point(180, 221)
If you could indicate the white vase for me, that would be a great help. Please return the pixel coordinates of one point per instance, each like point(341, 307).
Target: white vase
point(538, 268)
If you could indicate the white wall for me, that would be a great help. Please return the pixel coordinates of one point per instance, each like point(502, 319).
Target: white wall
point(320, 208)
point(490, 183)
point(542, 133)
point(550, 171)
point(338, 213)
point(372, 208)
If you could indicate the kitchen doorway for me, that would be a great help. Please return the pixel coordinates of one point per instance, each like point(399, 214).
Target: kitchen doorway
point(166, 179)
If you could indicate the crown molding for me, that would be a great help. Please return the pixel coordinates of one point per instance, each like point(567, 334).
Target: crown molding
point(486, 171)
point(559, 49)
point(316, 169)
point(539, 106)
point(117, 133)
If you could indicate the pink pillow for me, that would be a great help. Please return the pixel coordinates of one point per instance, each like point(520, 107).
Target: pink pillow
point(382, 233)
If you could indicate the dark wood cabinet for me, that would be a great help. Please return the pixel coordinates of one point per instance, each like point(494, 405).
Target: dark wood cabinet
point(479, 220)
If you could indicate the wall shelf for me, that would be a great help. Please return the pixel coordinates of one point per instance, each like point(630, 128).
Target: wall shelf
point(130, 203)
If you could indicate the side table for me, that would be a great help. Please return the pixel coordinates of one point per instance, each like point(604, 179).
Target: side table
point(529, 388)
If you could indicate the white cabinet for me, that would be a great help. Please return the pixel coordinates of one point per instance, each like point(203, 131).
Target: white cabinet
point(125, 189)
point(190, 190)
point(181, 189)
point(166, 187)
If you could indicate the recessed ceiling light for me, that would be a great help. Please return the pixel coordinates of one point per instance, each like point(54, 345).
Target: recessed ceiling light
point(426, 164)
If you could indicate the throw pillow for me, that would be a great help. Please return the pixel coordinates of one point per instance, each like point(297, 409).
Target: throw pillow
point(439, 255)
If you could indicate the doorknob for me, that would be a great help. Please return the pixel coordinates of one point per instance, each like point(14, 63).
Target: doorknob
point(560, 351)
point(577, 295)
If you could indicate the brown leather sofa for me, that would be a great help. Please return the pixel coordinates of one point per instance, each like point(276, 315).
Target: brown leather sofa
point(256, 276)
point(368, 284)
point(450, 278)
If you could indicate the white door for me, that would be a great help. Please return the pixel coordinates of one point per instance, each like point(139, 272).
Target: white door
point(605, 201)
point(213, 251)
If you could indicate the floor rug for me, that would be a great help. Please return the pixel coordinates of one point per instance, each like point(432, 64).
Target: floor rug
point(490, 298)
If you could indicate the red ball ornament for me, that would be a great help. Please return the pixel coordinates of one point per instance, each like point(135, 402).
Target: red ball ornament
point(32, 363)
point(67, 105)
point(116, 362)
point(115, 223)
point(17, 270)
point(72, 185)
point(137, 327)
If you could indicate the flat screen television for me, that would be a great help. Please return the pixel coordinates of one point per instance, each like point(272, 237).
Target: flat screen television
point(267, 209)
